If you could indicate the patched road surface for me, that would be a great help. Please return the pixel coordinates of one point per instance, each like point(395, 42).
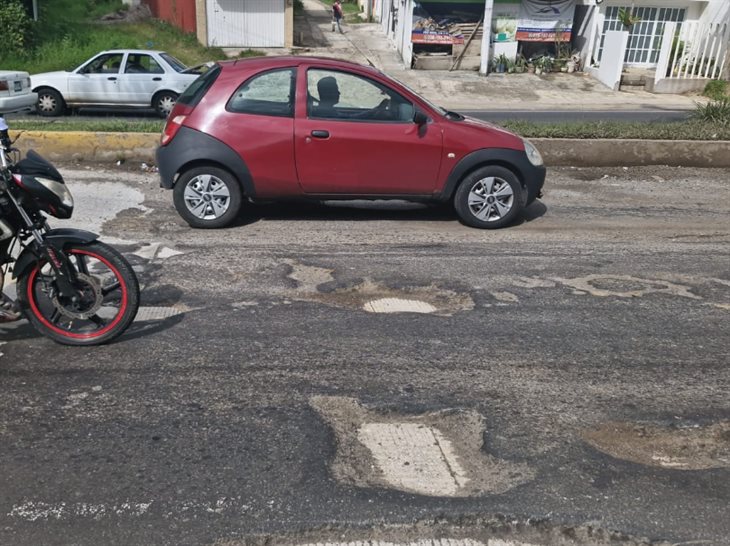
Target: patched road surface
point(378, 373)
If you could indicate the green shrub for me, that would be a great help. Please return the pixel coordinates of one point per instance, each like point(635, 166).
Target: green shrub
point(715, 112)
point(15, 25)
point(715, 89)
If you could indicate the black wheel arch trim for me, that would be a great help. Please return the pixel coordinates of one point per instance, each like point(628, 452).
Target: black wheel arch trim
point(60, 238)
point(192, 148)
point(530, 176)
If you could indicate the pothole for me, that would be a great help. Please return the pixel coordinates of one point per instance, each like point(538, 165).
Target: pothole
point(498, 530)
point(316, 284)
point(693, 447)
point(435, 454)
point(398, 305)
point(625, 286)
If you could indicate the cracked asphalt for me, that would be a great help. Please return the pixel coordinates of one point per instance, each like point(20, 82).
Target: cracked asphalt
point(580, 356)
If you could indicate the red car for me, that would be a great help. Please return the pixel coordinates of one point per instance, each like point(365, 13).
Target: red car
point(303, 127)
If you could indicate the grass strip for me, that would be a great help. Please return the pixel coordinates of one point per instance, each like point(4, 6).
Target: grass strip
point(680, 130)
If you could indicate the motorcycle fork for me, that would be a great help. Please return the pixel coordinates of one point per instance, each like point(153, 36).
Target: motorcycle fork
point(64, 275)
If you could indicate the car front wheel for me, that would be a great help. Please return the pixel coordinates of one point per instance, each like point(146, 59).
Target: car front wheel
point(491, 197)
point(164, 102)
point(207, 197)
point(50, 102)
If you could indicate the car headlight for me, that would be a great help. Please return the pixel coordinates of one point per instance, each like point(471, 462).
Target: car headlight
point(532, 154)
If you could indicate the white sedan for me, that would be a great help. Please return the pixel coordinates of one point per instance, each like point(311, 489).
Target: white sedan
point(119, 78)
point(15, 93)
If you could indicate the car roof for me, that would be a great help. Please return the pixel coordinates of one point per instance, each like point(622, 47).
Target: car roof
point(289, 60)
point(131, 51)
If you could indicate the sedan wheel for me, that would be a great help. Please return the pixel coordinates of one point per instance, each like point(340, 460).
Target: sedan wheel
point(207, 197)
point(490, 197)
point(164, 102)
point(50, 102)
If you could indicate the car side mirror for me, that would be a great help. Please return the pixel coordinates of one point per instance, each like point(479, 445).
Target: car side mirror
point(419, 118)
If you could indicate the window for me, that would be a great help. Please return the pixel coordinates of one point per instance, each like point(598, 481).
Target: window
point(104, 64)
point(268, 94)
point(338, 95)
point(142, 64)
point(645, 37)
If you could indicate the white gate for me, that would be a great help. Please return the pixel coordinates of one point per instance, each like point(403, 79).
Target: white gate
point(696, 51)
point(246, 23)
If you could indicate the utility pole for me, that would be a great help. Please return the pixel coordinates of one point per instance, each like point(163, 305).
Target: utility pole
point(487, 37)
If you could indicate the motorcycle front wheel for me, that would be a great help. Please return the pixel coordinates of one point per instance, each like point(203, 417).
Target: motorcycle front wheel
point(107, 297)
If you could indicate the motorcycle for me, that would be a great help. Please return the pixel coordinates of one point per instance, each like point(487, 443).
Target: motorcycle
point(71, 287)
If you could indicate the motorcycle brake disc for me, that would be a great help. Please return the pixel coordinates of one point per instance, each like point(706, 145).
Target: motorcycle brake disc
point(92, 285)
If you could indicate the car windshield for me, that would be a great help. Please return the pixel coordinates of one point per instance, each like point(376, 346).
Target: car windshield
point(176, 65)
point(440, 110)
point(196, 90)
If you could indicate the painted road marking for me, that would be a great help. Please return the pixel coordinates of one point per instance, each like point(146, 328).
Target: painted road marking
point(414, 457)
point(159, 313)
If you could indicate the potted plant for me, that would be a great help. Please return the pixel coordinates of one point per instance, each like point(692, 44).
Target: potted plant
point(627, 18)
point(500, 63)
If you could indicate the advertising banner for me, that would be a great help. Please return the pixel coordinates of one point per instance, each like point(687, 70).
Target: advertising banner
point(541, 20)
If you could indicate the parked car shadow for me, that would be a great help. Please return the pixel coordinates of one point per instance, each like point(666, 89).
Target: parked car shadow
point(355, 210)
point(363, 210)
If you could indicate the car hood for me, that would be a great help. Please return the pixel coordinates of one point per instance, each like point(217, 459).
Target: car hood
point(515, 141)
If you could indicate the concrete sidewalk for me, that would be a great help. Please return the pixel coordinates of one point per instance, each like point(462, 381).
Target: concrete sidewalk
point(366, 43)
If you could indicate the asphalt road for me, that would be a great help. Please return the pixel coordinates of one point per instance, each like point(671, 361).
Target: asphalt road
point(572, 371)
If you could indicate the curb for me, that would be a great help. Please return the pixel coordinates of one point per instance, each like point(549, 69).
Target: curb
point(100, 147)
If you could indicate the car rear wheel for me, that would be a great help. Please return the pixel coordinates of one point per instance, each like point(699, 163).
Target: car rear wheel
point(50, 102)
point(164, 102)
point(491, 197)
point(207, 197)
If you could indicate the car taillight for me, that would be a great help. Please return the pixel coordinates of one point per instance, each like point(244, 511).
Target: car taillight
point(174, 121)
point(171, 128)
point(3, 85)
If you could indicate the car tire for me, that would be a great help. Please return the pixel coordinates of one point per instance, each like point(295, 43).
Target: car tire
point(163, 102)
point(491, 197)
point(207, 197)
point(50, 103)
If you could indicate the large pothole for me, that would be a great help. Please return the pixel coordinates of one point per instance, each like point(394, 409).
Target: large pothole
point(434, 454)
point(317, 284)
point(684, 447)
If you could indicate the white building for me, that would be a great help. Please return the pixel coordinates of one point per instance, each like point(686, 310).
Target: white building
point(592, 20)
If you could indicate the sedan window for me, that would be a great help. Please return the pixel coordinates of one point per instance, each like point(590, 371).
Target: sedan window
point(268, 94)
point(338, 95)
point(104, 64)
point(142, 64)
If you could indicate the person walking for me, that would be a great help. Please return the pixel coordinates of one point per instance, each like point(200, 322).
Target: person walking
point(337, 15)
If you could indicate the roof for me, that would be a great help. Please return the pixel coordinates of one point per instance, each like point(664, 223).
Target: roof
point(289, 60)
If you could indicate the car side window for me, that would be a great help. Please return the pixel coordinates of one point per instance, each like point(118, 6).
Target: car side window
point(104, 64)
point(267, 94)
point(339, 95)
point(142, 64)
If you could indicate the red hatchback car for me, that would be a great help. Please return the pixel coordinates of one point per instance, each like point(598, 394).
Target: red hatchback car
point(302, 127)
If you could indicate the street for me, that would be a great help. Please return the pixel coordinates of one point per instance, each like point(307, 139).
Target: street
point(328, 373)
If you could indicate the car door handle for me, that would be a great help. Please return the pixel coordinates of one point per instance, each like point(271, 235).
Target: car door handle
point(112, 78)
point(158, 79)
point(320, 134)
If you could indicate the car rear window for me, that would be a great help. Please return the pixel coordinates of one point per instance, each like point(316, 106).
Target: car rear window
point(197, 90)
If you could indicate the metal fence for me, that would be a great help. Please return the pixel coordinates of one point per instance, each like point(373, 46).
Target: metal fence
point(694, 50)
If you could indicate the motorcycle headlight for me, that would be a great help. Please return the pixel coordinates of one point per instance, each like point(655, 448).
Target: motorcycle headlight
point(533, 154)
point(58, 189)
